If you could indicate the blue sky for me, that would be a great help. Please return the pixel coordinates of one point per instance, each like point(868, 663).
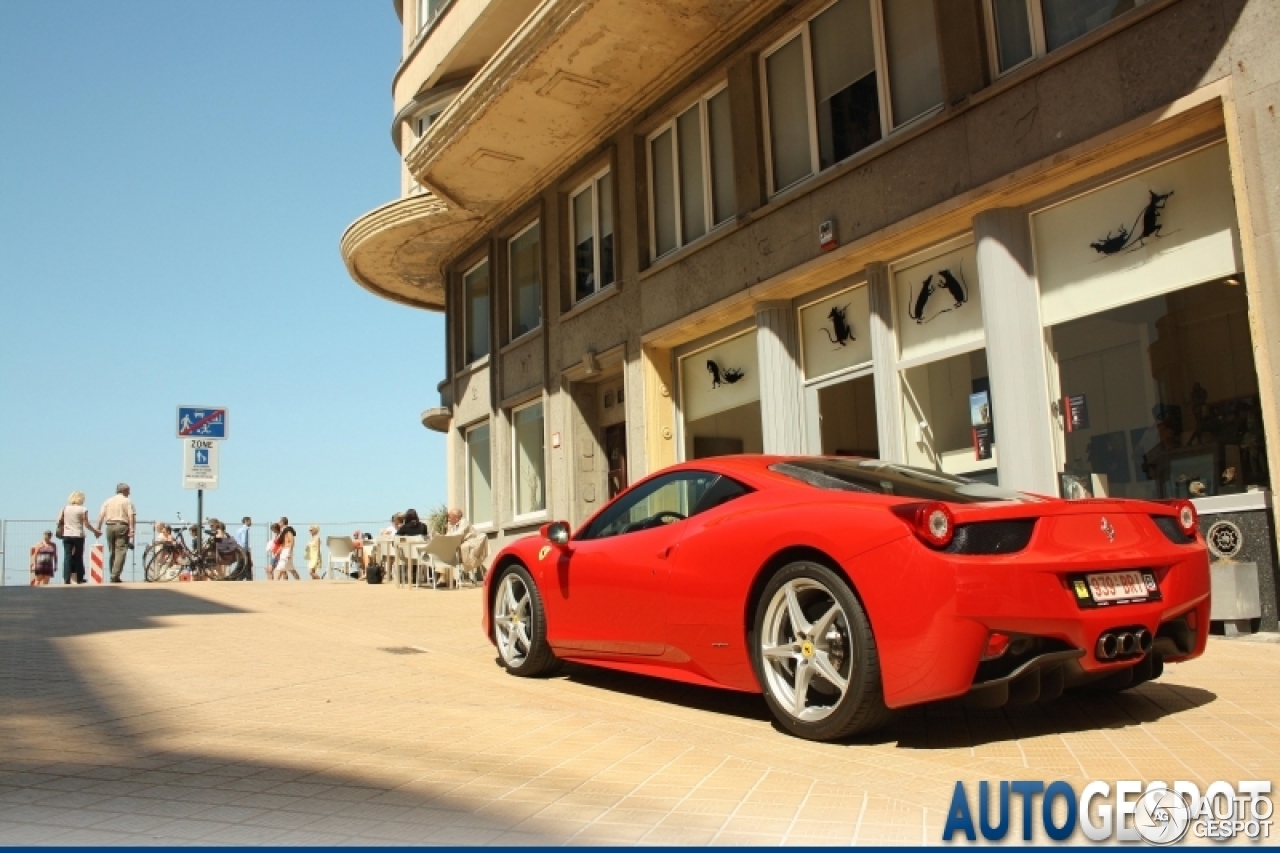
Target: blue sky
point(174, 181)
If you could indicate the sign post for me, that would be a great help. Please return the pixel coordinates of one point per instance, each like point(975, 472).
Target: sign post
point(201, 428)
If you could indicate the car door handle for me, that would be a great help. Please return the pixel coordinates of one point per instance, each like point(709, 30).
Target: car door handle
point(666, 552)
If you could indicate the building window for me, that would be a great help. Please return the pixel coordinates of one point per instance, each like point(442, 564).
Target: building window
point(591, 219)
point(720, 399)
point(691, 174)
point(855, 69)
point(529, 473)
point(524, 252)
point(479, 470)
point(429, 10)
point(475, 286)
point(1021, 30)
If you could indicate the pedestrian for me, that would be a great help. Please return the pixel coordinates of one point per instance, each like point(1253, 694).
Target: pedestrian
point(396, 521)
point(273, 550)
point(313, 552)
point(242, 539)
point(73, 521)
point(44, 560)
point(411, 525)
point(284, 560)
point(120, 519)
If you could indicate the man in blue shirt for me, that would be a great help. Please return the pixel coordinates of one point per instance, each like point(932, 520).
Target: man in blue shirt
point(242, 539)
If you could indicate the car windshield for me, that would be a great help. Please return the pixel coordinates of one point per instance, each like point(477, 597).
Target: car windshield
point(885, 478)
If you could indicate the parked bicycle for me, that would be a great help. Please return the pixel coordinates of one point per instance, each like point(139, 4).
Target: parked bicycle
point(176, 560)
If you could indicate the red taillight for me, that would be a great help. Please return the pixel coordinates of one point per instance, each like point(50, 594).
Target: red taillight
point(997, 645)
point(932, 523)
point(1186, 516)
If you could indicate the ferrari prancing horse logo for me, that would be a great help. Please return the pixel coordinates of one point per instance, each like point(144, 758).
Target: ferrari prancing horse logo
point(1108, 529)
point(542, 555)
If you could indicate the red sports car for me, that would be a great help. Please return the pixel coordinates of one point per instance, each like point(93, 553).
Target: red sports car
point(842, 588)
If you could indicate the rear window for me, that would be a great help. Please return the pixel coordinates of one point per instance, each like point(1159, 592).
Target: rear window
point(874, 477)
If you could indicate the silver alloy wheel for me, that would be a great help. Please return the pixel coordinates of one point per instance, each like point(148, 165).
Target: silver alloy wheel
point(511, 622)
point(806, 649)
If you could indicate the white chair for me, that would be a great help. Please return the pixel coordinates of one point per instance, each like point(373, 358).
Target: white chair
point(407, 558)
point(445, 560)
point(340, 552)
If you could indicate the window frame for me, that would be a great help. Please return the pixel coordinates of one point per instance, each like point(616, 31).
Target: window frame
point(591, 185)
point(536, 515)
point(466, 314)
point(466, 480)
point(423, 21)
point(511, 301)
point(708, 201)
point(1035, 19)
point(883, 95)
point(645, 490)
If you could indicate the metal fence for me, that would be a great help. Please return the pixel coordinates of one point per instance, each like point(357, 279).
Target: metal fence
point(18, 536)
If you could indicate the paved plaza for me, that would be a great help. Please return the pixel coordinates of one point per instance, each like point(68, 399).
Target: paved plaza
point(318, 713)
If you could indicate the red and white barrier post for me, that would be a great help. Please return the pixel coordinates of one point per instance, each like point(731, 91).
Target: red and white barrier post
point(95, 563)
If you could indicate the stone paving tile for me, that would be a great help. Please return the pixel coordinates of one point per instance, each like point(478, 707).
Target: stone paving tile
point(116, 725)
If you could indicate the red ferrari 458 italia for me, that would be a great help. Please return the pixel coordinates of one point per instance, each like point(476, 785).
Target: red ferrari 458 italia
point(843, 588)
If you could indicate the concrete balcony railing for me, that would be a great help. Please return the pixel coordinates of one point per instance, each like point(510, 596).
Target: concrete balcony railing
point(438, 418)
point(393, 251)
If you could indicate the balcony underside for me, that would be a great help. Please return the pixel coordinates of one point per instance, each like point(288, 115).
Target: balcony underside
point(564, 81)
point(394, 251)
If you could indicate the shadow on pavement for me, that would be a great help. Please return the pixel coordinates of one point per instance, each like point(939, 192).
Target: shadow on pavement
point(71, 754)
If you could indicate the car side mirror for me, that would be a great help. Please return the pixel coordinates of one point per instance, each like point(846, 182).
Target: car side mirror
point(557, 533)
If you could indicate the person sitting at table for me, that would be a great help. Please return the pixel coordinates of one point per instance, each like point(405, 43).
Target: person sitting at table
point(412, 525)
point(396, 521)
point(474, 549)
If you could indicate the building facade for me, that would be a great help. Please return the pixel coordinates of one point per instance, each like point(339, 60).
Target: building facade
point(1032, 242)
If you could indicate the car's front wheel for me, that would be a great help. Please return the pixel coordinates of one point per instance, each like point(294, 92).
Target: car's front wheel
point(815, 655)
point(520, 624)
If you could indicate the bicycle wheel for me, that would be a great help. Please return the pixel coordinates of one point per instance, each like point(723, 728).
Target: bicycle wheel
point(160, 563)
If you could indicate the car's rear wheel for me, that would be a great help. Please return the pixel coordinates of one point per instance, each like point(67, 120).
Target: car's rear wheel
point(520, 624)
point(815, 655)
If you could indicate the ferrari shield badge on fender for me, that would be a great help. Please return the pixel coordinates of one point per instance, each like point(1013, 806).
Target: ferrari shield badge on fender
point(546, 549)
point(1108, 529)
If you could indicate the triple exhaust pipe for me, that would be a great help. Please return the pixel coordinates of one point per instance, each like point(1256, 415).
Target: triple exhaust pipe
point(1123, 643)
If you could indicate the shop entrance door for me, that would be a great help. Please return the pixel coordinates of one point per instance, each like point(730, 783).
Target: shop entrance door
point(841, 416)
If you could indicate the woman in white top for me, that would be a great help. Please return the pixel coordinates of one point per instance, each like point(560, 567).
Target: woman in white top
point(74, 519)
point(284, 563)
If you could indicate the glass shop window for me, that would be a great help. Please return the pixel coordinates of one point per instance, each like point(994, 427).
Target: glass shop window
point(1160, 397)
point(528, 450)
point(479, 471)
point(949, 416)
point(720, 399)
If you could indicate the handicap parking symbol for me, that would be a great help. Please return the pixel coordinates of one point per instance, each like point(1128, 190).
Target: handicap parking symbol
point(202, 456)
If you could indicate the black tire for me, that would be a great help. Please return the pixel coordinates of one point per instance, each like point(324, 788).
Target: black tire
point(516, 605)
point(834, 636)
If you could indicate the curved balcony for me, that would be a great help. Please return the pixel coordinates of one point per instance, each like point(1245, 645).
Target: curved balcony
point(394, 251)
point(559, 86)
point(437, 418)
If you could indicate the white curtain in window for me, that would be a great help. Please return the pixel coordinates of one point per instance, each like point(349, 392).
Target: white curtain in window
point(530, 460)
point(724, 199)
point(526, 281)
point(911, 38)
point(476, 285)
point(843, 47)
point(479, 486)
point(788, 114)
point(662, 162)
point(693, 214)
point(1196, 240)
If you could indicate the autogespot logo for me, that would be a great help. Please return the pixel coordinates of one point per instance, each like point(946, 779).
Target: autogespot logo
point(1156, 813)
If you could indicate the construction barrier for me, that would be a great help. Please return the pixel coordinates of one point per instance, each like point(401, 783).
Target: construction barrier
point(95, 563)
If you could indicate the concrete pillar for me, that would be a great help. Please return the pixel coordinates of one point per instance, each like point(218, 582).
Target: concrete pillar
point(779, 366)
point(962, 48)
point(1015, 352)
point(884, 352)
